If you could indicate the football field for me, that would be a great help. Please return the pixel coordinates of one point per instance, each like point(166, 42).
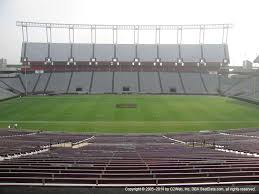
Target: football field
point(128, 113)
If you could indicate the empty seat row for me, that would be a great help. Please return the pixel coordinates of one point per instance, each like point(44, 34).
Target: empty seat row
point(117, 82)
point(61, 52)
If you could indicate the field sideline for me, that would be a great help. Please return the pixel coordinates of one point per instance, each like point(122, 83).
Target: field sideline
point(158, 114)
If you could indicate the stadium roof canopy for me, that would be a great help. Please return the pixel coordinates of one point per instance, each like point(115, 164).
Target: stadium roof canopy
point(122, 27)
point(152, 52)
point(115, 28)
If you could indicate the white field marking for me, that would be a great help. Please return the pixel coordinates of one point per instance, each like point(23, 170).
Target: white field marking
point(82, 143)
point(239, 135)
point(46, 148)
point(184, 142)
point(219, 148)
point(176, 140)
point(9, 157)
point(69, 144)
point(21, 135)
point(62, 145)
point(237, 152)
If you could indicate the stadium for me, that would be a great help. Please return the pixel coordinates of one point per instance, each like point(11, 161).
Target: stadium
point(95, 115)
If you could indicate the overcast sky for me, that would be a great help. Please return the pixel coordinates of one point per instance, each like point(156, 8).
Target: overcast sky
point(243, 14)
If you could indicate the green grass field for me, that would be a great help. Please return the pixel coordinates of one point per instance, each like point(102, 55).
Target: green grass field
point(98, 113)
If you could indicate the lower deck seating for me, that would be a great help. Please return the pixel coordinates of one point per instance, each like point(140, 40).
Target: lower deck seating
point(131, 160)
point(4, 94)
point(241, 87)
point(193, 83)
point(58, 83)
point(126, 82)
point(246, 87)
point(171, 82)
point(17, 142)
point(29, 81)
point(121, 82)
point(102, 82)
point(149, 82)
point(14, 84)
point(40, 87)
point(212, 83)
point(80, 82)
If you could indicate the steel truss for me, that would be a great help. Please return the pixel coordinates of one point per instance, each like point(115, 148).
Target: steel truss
point(135, 28)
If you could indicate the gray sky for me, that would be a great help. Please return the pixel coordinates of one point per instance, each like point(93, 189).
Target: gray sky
point(243, 38)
